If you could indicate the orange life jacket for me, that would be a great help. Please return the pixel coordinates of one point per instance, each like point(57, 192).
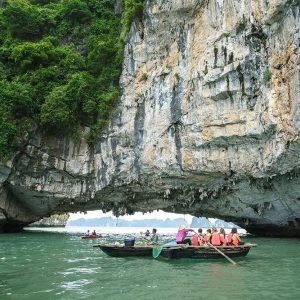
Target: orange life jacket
point(215, 239)
point(223, 239)
point(229, 238)
point(235, 239)
point(207, 237)
point(195, 240)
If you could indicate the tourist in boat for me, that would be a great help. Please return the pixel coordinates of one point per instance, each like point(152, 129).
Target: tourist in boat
point(223, 237)
point(215, 237)
point(147, 233)
point(207, 237)
point(154, 236)
point(94, 233)
point(181, 235)
point(87, 233)
point(197, 239)
point(235, 238)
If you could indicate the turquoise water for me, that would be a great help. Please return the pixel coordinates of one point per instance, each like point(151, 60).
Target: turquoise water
point(44, 266)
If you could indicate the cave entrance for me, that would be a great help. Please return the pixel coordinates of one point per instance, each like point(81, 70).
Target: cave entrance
point(161, 220)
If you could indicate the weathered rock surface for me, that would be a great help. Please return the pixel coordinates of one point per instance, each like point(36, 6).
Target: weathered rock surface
point(52, 221)
point(208, 124)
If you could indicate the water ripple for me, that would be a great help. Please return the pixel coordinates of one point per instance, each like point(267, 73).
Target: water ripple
point(76, 285)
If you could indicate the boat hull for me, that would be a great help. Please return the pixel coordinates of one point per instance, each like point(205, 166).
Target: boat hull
point(85, 237)
point(125, 251)
point(204, 252)
point(176, 252)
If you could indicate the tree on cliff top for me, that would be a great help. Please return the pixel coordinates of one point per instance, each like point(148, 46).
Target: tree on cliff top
point(60, 62)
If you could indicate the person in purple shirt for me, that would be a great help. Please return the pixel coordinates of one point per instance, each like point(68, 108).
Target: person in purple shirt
point(181, 235)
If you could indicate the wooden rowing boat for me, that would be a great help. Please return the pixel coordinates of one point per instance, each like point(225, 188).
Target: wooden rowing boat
point(124, 251)
point(175, 252)
point(206, 251)
point(91, 236)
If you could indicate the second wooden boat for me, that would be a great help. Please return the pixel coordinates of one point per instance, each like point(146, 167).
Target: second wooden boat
point(124, 251)
point(91, 236)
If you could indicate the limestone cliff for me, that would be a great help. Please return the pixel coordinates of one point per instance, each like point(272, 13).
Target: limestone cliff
point(52, 221)
point(208, 124)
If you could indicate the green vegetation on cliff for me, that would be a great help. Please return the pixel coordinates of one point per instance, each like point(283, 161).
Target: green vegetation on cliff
point(60, 63)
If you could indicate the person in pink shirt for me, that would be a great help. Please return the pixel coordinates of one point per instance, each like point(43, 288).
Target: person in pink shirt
point(181, 235)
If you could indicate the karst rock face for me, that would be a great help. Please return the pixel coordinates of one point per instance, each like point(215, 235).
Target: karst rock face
point(208, 124)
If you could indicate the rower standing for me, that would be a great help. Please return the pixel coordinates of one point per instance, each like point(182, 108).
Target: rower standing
point(154, 236)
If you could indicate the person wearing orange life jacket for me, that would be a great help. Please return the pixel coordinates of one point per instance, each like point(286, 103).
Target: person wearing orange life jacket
point(234, 237)
point(197, 239)
point(207, 237)
point(223, 237)
point(215, 238)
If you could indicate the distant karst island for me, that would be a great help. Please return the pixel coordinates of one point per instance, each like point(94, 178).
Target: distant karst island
point(167, 223)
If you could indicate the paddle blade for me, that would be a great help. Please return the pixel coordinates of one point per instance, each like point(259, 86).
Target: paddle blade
point(156, 251)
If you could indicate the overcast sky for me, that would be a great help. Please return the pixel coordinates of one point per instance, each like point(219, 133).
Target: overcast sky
point(137, 216)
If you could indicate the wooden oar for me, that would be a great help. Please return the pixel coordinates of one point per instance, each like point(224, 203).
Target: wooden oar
point(156, 251)
point(218, 250)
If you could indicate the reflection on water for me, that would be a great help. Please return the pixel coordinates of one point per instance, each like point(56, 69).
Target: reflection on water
point(35, 265)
